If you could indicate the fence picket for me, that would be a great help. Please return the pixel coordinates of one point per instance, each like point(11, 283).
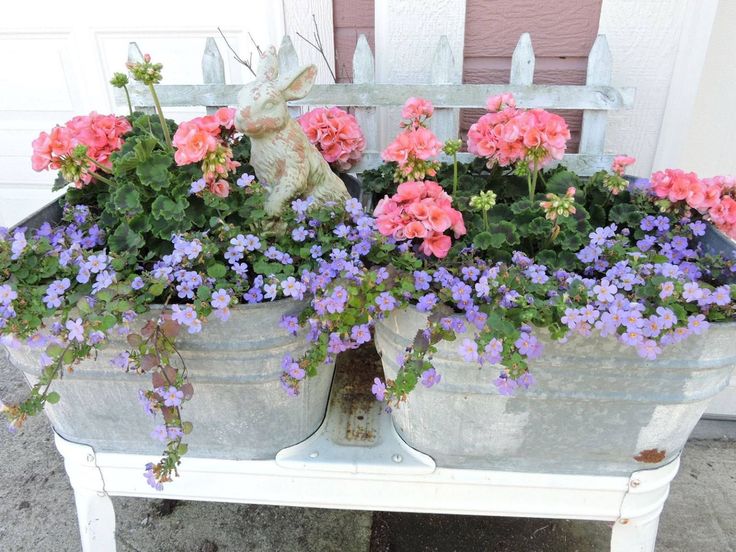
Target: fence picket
point(445, 122)
point(289, 65)
point(213, 68)
point(522, 62)
point(600, 67)
point(364, 73)
point(144, 104)
point(365, 96)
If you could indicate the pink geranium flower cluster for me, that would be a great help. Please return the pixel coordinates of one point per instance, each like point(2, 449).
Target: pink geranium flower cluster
point(206, 140)
point(714, 198)
point(423, 210)
point(414, 148)
point(100, 136)
point(509, 135)
point(620, 162)
point(336, 134)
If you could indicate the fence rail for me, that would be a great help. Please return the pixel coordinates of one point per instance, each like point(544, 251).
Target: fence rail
point(596, 98)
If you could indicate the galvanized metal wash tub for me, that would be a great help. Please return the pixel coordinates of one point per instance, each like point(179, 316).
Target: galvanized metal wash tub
point(597, 408)
point(239, 409)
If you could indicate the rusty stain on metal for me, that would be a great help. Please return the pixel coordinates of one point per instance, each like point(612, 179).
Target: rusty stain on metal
point(650, 456)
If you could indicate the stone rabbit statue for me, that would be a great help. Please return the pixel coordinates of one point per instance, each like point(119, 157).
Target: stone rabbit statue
point(282, 156)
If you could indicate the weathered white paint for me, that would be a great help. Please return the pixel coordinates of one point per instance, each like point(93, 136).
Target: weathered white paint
point(550, 96)
point(600, 65)
point(406, 38)
point(57, 64)
point(355, 477)
point(298, 18)
point(644, 37)
point(522, 62)
point(369, 97)
point(708, 148)
point(685, 81)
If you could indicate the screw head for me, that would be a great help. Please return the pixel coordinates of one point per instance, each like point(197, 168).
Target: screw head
point(397, 458)
point(635, 483)
point(623, 521)
point(90, 458)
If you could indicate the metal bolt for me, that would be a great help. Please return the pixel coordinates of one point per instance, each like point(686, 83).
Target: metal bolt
point(635, 483)
point(90, 458)
point(314, 454)
point(623, 521)
point(397, 458)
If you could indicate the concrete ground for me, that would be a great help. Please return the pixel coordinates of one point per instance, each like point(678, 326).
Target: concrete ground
point(37, 512)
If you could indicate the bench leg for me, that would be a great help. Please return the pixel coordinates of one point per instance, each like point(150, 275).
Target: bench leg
point(635, 535)
point(95, 512)
point(96, 518)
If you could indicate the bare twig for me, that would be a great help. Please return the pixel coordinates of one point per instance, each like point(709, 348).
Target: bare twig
point(249, 63)
point(317, 45)
point(258, 48)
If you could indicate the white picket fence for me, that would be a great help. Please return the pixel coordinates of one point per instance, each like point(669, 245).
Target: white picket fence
point(367, 97)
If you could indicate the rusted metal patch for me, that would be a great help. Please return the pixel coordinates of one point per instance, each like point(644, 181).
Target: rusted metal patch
point(354, 375)
point(650, 456)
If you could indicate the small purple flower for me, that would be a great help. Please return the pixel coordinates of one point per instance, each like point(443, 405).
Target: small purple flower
point(159, 433)
point(697, 323)
point(220, 299)
point(251, 242)
point(290, 324)
point(378, 389)
point(151, 478)
point(698, 228)
point(648, 349)
point(426, 302)
point(137, 283)
point(386, 302)
point(430, 377)
point(121, 360)
point(526, 380)
point(315, 251)
point(605, 291)
point(197, 186)
point(360, 334)
point(171, 396)
point(666, 289)
point(299, 234)
point(245, 180)
point(381, 275)
point(7, 295)
point(468, 350)
point(76, 330)
point(691, 292)
point(505, 385)
point(421, 280)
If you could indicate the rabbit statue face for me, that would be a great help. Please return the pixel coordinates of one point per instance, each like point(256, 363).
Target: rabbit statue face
point(262, 103)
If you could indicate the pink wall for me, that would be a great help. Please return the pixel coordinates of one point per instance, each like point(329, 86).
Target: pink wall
point(562, 33)
point(351, 19)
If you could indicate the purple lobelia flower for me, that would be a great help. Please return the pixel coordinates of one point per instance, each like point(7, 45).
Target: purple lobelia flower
point(378, 389)
point(430, 377)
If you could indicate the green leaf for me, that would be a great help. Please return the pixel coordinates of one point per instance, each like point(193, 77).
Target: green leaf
point(561, 181)
point(217, 270)
point(125, 239)
point(483, 240)
point(154, 172)
point(156, 289)
point(204, 293)
point(125, 197)
point(164, 207)
point(53, 397)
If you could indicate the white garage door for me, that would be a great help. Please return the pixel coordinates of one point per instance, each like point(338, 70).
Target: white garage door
point(57, 60)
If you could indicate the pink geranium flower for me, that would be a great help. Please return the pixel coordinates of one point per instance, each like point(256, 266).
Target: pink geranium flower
point(420, 210)
point(509, 135)
point(336, 134)
point(100, 134)
point(620, 162)
point(416, 108)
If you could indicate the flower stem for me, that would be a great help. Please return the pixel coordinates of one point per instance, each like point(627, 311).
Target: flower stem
point(127, 97)
point(98, 165)
point(164, 126)
point(98, 176)
point(454, 174)
point(485, 219)
point(531, 179)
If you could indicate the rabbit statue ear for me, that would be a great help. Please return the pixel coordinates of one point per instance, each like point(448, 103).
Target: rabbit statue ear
point(297, 86)
point(268, 68)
